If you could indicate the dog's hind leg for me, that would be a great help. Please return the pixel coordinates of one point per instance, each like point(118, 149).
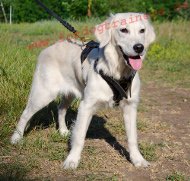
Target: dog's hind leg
point(39, 98)
point(62, 109)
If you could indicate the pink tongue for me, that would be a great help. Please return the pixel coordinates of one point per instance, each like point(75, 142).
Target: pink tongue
point(135, 63)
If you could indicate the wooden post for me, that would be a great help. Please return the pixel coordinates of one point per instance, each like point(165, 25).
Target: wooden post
point(10, 18)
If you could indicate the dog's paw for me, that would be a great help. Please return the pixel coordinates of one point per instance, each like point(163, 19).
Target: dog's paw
point(139, 161)
point(70, 163)
point(64, 132)
point(16, 137)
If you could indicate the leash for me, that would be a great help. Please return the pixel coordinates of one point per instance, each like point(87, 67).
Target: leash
point(63, 22)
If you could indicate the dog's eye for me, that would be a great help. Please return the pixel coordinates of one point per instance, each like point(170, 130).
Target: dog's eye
point(124, 30)
point(142, 31)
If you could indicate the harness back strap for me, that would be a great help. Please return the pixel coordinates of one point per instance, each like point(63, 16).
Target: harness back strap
point(89, 47)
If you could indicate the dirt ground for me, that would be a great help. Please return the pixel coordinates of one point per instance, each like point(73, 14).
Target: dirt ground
point(164, 112)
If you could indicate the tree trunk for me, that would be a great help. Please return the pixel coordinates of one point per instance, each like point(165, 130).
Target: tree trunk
point(89, 14)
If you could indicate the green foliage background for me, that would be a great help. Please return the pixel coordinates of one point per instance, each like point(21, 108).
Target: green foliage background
point(29, 11)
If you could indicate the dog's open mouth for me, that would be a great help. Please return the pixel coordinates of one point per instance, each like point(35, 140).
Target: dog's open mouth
point(134, 62)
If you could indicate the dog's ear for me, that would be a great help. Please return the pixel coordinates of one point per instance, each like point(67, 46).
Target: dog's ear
point(103, 32)
point(149, 33)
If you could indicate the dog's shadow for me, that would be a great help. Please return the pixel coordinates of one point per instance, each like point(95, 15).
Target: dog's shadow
point(97, 130)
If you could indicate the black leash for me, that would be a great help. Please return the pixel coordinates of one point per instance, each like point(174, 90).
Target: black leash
point(63, 22)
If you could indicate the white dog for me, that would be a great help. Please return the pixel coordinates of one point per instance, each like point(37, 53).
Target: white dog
point(124, 39)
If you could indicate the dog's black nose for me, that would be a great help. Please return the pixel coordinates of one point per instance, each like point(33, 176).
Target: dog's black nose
point(138, 48)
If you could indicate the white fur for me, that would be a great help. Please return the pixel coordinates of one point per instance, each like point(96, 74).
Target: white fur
point(59, 71)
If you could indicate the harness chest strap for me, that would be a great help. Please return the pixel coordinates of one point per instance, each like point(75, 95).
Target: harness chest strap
point(119, 87)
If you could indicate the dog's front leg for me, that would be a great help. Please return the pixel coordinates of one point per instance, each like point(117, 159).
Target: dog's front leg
point(130, 114)
point(84, 117)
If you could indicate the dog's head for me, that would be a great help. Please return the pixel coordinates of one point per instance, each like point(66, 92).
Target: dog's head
point(131, 32)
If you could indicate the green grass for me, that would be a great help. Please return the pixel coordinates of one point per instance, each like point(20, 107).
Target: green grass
point(175, 176)
point(142, 125)
point(148, 151)
point(168, 60)
point(168, 63)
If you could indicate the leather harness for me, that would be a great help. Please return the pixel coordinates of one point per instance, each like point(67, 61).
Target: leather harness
point(120, 87)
